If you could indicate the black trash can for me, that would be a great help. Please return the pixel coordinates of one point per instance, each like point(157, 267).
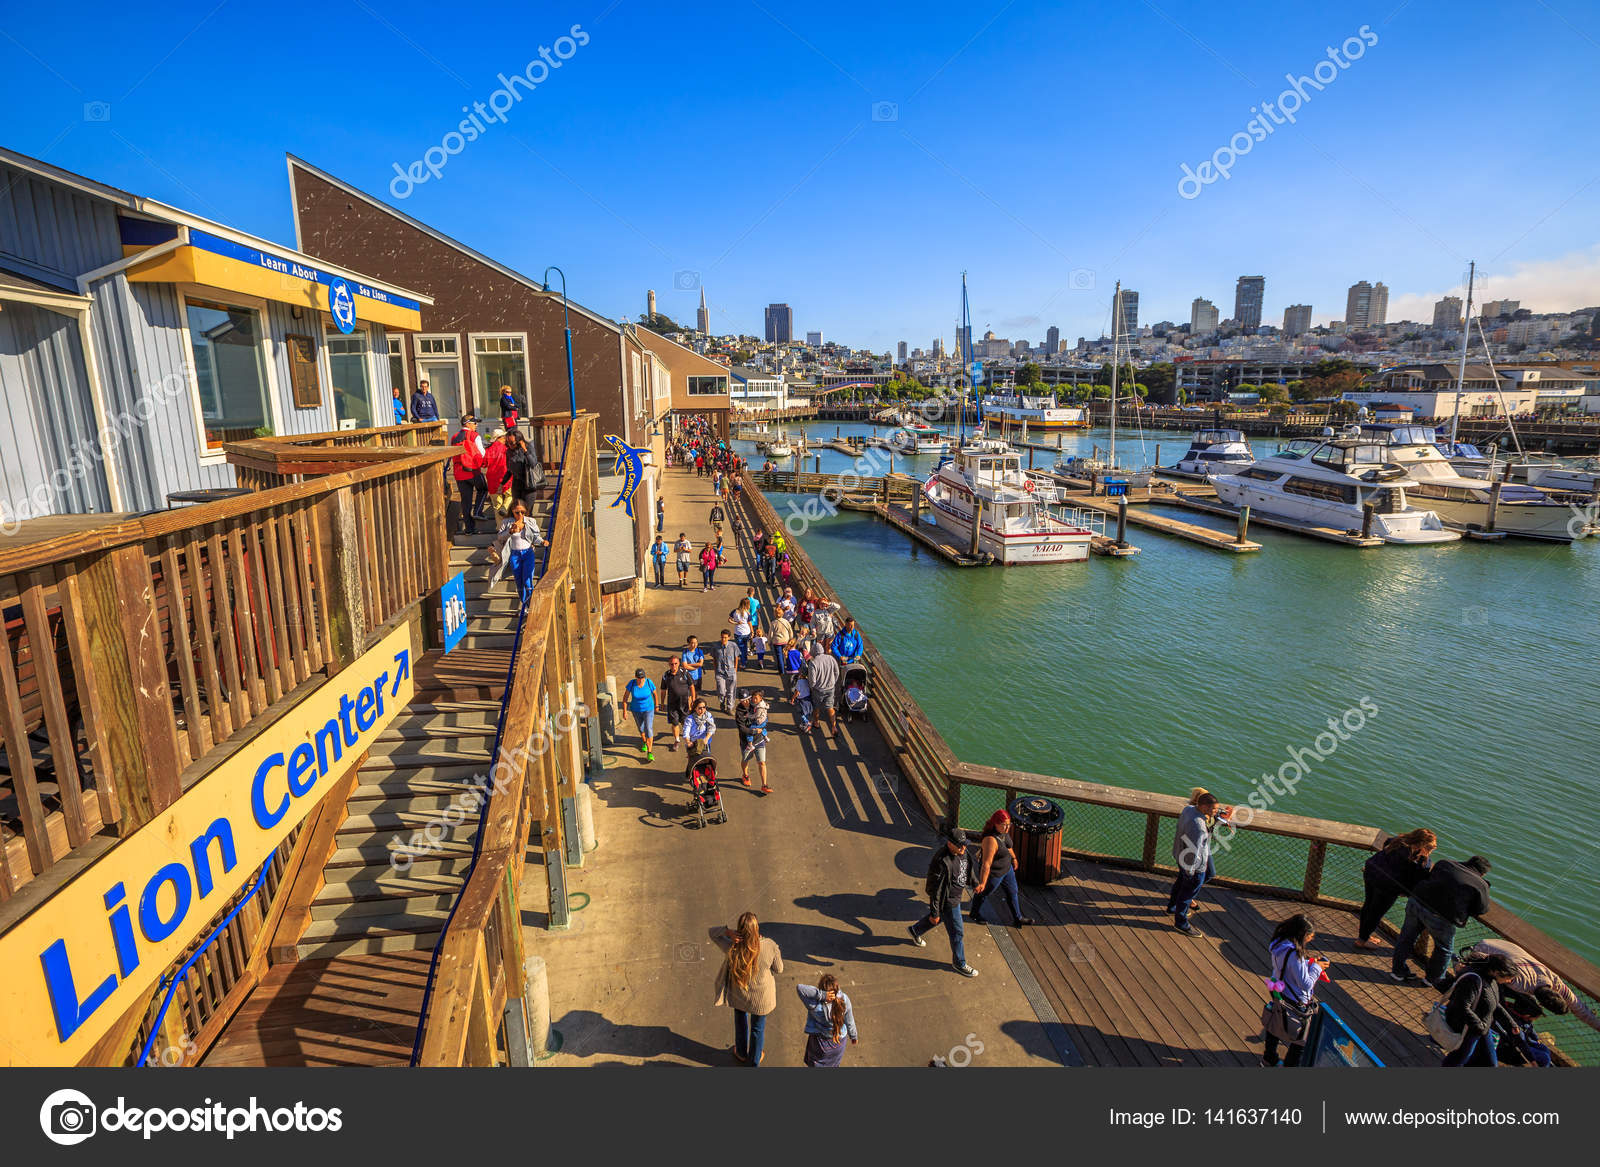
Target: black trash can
point(1036, 838)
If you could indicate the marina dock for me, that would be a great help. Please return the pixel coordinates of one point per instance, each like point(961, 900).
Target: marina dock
point(1177, 528)
point(1327, 534)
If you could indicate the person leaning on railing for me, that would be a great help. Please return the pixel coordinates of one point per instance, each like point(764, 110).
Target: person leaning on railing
point(1535, 982)
point(1390, 873)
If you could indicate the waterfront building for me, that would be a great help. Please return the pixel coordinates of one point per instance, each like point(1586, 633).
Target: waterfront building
point(1248, 296)
point(136, 339)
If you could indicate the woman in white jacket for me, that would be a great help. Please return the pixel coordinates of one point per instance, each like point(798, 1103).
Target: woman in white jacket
point(514, 547)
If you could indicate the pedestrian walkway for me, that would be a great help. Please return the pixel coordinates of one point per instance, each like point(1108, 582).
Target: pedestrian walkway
point(832, 863)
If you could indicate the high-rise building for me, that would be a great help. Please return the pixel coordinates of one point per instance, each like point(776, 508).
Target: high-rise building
point(1447, 313)
point(1496, 308)
point(900, 353)
point(1248, 296)
point(938, 348)
point(780, 323)
point(1130, 314)
point(964, 348)
point(1203, 317)
point(814, 339)
point(1366, 305)
point(1052, 340)
point(1296, 319)
point(702, 318)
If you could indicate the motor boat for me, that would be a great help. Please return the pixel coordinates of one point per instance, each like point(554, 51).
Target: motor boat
point(915, 437)
point(1332, 484)
point(1477, 504)
point(1019, 513)
point(1215, 451)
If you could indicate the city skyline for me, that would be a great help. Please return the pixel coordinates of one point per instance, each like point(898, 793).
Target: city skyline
point(1049, 253)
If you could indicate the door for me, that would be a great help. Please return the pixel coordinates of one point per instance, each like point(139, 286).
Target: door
point(444, 382)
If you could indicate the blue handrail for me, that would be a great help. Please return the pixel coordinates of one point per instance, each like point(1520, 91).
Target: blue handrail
point(488, 782)
point(176, 979)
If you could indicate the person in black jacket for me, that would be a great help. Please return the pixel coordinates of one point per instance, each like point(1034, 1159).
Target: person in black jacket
point(1474, 1007)
point(1444, 900)
point(1389, 874)
point(950, 874)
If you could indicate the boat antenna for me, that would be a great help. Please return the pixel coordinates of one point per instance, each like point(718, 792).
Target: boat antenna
point(1461, 369)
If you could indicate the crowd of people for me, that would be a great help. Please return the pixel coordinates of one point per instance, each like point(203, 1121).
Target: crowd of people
point(1490, 993)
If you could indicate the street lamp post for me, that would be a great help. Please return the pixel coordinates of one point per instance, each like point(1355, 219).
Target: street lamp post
point(566, 320)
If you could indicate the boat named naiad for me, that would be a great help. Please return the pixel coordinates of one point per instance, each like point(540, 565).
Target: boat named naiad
point(1017, 515)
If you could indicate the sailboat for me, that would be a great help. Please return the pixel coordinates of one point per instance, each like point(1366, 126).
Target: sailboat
point(1094, 466)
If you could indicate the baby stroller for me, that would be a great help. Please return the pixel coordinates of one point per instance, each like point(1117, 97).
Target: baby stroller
point(855, 691)
point(707, 798)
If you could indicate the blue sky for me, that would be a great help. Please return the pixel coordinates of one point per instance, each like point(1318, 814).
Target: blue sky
point(1038, 146)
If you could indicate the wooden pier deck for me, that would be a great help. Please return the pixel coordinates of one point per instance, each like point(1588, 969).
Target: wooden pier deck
point(1177, 528)
point(1327, 534)
point(1130, 990)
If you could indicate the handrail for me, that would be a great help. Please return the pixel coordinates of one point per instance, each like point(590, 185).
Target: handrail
point(488, 778)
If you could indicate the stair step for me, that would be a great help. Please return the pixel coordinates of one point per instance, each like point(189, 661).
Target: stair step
point(388, 783)
point(374, 854)
point(481, 539)
point(434, 726)
point(424, 756)
point(379, 903)
point(404, 824)
point(364, 883)
point(410, 801)
point(370, 934)
point(477, 742)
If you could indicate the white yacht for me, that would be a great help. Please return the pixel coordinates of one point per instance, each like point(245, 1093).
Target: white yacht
point(1021, 520)
point(915, 437)
point(1329, 485)
point(779, 446)
point(1467, 503)
point(1216, 451)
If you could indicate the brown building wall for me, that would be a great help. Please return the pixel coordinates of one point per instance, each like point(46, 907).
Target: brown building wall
point(471, 296)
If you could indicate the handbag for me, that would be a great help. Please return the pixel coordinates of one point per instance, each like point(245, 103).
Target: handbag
point(1286, 1021)
point(1438, 1026)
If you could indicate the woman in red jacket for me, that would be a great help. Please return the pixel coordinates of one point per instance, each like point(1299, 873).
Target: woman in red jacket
point(494, 464)
point(708, 567)
point(470, 482)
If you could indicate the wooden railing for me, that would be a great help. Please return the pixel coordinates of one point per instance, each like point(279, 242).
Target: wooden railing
point(262, 463)
point(136, 651)
point(1303, 859)
point(556, 668)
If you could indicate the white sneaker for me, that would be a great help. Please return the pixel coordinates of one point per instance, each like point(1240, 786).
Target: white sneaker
point(966, 970)
point(915, 939)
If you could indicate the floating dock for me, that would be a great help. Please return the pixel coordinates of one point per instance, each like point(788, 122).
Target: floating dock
point(1177, 528)
point(1327, 534)
point(935, 538)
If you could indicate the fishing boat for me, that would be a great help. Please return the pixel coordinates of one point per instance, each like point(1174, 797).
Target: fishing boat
point(1018, 410)
point(1336, 483)
point(1214, 451)
point(1017, 513)
point(1474, 504)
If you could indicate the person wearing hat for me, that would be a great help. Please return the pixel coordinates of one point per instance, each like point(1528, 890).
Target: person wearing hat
point(496, 476)
point(640, 694)
point(950, 874)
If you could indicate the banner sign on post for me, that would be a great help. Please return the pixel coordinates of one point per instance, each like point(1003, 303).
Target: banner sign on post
point(102, 942)
point(453, 597)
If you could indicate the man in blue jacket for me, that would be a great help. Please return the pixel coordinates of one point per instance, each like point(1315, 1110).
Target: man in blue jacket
point(847, 645)
point(423, 406)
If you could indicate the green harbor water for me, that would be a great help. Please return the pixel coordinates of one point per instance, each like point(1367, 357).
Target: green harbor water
point(1183, 666)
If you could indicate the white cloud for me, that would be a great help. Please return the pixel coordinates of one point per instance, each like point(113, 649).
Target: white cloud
point(1543, 285)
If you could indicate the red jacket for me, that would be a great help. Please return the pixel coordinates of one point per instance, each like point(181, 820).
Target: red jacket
point(469, 461)
point(494, 467)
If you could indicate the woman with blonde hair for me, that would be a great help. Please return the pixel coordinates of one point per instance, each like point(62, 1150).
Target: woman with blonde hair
point(1389, 874)
point(746, 982)
point(828, 1019)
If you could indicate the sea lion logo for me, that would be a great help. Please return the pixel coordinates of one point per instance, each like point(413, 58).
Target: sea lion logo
point(629, 464)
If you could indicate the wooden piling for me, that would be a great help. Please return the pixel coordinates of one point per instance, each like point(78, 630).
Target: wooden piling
point(1244, 524)
point(1122, 521)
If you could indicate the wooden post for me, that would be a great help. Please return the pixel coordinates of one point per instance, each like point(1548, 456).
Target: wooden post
point(1311, 888)
point(1152, 836)
point(340, 552)
point(1367, 512)
point(1244, 523)
point(1494, 503)
point(1158, 454)
point(977, 524)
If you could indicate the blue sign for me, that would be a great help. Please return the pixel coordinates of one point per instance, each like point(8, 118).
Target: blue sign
point(629, 464)
point(290, 267)
point(453, 598)
point(342, 304)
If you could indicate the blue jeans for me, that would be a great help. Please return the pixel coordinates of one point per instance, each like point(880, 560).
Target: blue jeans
point(951, 918)
point(522, 566)
point(744, 648)
point(1185, 888)
point(645, 719)
point(1006, 885)
point(749, 1035)
point(1476, 1050)
point(1421, 919)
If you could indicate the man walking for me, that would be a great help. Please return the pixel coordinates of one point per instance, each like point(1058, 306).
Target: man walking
point(847, 645)
point(725, 655)
point(822, 675)
point(661, 514)
point(716, 519)
point(683, 549)
point(658, 559)
point(677, 698)
point(750, 715)
point(693, 657)
point(949, 875)
point(1446, 898)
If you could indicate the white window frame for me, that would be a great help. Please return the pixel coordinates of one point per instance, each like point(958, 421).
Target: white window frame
point(483, 408)
point(455, 346)
point(331, 331)
point(396, 344)
point(188, 292)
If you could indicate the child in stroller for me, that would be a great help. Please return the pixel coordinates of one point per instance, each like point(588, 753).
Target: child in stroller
point(703, 784)
point(855, 691)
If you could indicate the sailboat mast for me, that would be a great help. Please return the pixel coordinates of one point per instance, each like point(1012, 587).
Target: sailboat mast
point(966, 360)
point(1116, 333)
point(1461, 369)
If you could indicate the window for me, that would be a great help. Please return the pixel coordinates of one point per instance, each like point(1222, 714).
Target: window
point(436, 346)
point(1260, 475)
point(707, 386)
point(397, 366)
point(349, 376)
point(230, 374)
point(498, 361)
point(1327, 491)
